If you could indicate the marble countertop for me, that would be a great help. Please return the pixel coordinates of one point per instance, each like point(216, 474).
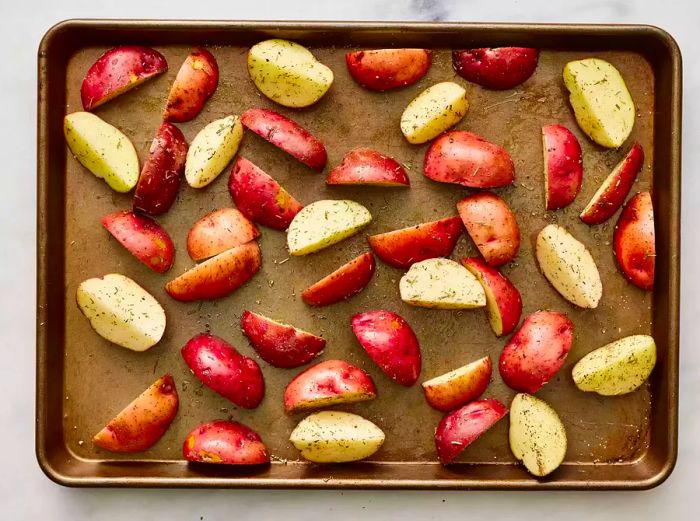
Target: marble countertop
point(25, 493)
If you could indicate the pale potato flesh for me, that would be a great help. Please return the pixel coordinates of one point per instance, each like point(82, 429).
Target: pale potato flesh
point(569, 266)
point(102, 149)
point(336, 437)
point(211, 150)
point(122, 311)
point(602, 104)
point(433, 111)
point(288, 73)
point(537, 435)
point(324, 223)
point(616, 368)
point(442, 284)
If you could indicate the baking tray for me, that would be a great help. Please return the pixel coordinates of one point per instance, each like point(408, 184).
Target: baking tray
point(627, 442)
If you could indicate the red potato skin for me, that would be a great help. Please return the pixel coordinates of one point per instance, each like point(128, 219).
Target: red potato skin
point(450, 395)
point(329, 379)
point(625, 174)
point(469, 160)
point(144, 421)
point(386, 69)
point(219, 231)
point(143, 237)
point(226, 443)
point(364, 166)
point(119, 70)
point(460, 428)
point(218, 276)
point(161, 174)
point(537, 351)
point(224, 370)
point(391, 343)
point(286, 135)
point(401, 248)
point(195, 83)
point(260, 198)
point(505, 294)
point(492, 226)
point(497, 68)
point(634, 241)
point(280, 345)
point(563, 166)
point(343, 283)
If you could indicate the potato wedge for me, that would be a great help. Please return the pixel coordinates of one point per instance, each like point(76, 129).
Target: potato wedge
point(433, 111)
point(448, 391)
point(563, 166)
point(537, 435)
point(386, 69)
point(121, 311)
point(619, 367)
point(195, 83)
point(364, 166)
point(324, 223)
point(442, 284)
point(602, 104)
point(496, 68)
point(336, 437)
point(211, 150)
point(569, 266)
point(219, 231)
point(634, 241)
point(102, 149)
point(225, 443)
point(343, 283)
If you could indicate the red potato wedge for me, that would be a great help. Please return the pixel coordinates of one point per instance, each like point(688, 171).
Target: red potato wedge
point(226, 443)
point(343, 283)
point(144, 421)
point(218, 276)
point(462, 385)
point(364, 166)
point(143, 237)
point(119, 70)
point(634, 241)
point(286, 135)
point(497, 68)
point(391, 343)
point(492, 226)
point(612, 193)
point(460, 428)
point(280, 345)
point(386, 69)
point(331, 382)
point(402, 248)
point(260, 198)
point(195, 83)
point(469, 160)
point(219, 231)
point(224, 370)
point(161, 174)
point(503, 301)
point(537, 351)
point(563, 166)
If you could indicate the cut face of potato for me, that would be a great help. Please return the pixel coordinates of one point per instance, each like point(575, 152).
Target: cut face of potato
point(102, 149)
point(602, 104)
point(336, 437)
point(211, 150)
point(569, 266)
point(616, 368)
point(433, 111)
point(442, 284)
point(288, 73)
point(324, 223)
point(537, 435)
point(121, 311)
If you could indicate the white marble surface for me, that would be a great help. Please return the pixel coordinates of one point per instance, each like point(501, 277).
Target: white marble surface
point(24, 491)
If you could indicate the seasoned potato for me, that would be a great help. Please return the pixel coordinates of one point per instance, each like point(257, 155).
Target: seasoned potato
point(537, 435)
point(211, 150)
point(602, 104)
point(336, 437)
point(433, 111)
point(568, 265)
point(442, 284)
point(288, 73)
point(616, 368)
